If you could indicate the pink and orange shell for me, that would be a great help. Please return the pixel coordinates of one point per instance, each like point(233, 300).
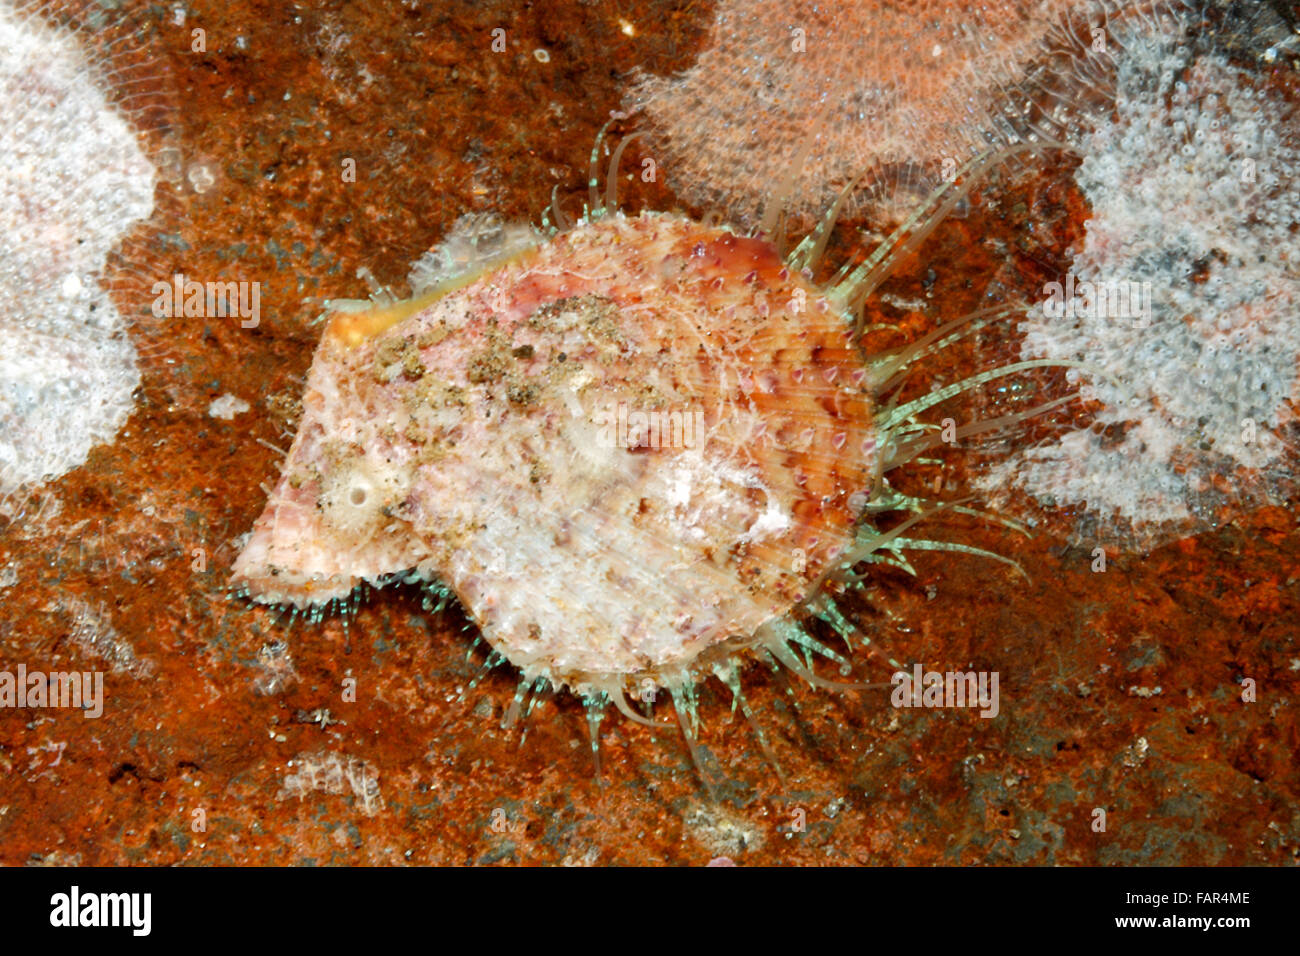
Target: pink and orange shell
point(628, 447)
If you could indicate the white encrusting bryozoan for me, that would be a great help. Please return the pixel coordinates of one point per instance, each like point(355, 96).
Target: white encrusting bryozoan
point(1195, 193)
point(73, 180)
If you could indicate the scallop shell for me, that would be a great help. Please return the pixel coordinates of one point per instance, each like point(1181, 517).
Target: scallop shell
point(626, 450)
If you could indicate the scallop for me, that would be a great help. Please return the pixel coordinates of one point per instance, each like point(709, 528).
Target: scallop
point(620, 450)
point(632, 451)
